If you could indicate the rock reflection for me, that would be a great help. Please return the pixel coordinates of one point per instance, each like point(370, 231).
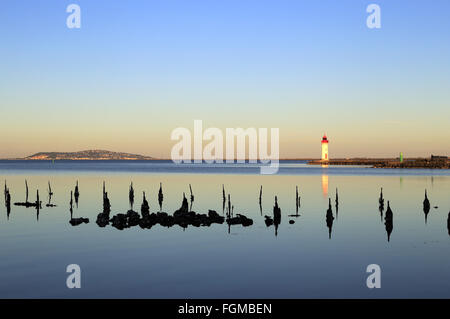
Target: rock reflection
point(297, 205)
point(50, 196)
point(260, 200)
point(336, 201)
point(131, 196)
point(224, 200)
point(75, 221)
point(192, 197)
point(103, 217)
point(388, 221)
point(37, 204)
point(185, 216)
point(381, 204)
point(76, 194)
point(448, 223)
point(7, 201)
point(160, 197)
point(276, 216)
point(276, 220)
point(329, 218)
point(426, 206)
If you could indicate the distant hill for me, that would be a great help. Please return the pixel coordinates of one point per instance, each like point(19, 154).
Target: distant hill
point(87, 155)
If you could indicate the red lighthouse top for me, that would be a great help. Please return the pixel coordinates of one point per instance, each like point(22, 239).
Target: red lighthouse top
point(324, 139)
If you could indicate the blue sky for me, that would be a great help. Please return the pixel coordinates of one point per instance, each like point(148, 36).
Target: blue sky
point(136, 70)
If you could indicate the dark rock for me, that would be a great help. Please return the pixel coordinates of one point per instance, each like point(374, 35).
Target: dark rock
point(133, 218)
point(102, 219)
point(78, 221)
point(215, 217)
point(148, 220)
point(119, 221)
point(268, 220)
point(165, 220)
point(122, 221)
point(240, 220)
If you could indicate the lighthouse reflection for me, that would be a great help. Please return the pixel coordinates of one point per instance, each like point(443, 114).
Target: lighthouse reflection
point(325, 185)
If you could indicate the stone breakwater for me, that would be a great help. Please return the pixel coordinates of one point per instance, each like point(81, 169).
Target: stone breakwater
point(388, 163)
point(424, 163)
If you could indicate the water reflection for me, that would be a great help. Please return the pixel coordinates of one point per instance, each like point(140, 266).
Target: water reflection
point(224, 200)
point(325, 185)
point(160, 197)
point(336, 203)
point(260, 200)
point(381, 204)
point(103, 217)
point(131, 196)
point(448, 223)
point(276, 219)
point(329, 218)
point(76, 194)
point(75, 221)
point(185, 216)
point(7, 201)
point(388, 221)
point(426, 206)
point(297, 205)
point(50, 196)
point(192, 197)
point(38, 205)
point(231, 219)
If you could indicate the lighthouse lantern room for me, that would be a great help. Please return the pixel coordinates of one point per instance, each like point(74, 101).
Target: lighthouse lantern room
point(325, 148)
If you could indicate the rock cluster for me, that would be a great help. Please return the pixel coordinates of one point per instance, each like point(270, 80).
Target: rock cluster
point(146, 220)
point(78, 221)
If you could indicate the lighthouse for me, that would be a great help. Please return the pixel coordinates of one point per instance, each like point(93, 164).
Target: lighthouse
point(325, 148)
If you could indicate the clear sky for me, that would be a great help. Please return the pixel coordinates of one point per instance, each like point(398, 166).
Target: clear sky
point(136, 70)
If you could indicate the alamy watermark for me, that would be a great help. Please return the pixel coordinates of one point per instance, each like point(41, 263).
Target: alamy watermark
point(213, 152)
point(74, 279)
point(373, 21)
point(374, 279)
point(73, 20)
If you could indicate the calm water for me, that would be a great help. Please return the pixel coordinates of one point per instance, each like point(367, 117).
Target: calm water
point(213, 262)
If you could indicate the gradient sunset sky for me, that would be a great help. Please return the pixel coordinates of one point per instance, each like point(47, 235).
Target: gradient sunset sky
point(136, 70)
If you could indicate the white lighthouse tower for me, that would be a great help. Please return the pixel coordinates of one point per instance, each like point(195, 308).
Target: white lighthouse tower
point(325, 148)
